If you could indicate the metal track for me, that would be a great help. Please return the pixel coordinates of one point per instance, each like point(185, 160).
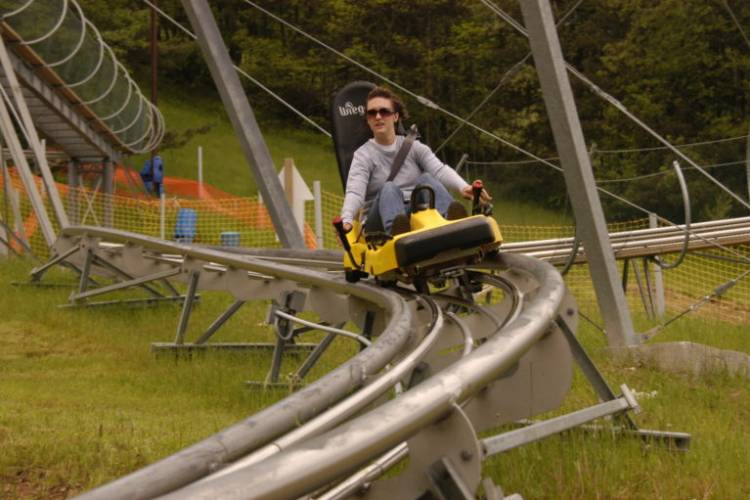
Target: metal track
point(644, 242)
point(413, 345)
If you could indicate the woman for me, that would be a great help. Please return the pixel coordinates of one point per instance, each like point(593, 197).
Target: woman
point(385, 202)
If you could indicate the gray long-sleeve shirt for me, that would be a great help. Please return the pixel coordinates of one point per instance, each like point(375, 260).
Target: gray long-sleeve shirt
point(371, 166)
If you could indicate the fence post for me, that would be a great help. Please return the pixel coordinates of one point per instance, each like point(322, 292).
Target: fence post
point(318, 200)
point(73, 194)
point(162, 228)
point(658, 277)
point(109, 191)
point(200, 167)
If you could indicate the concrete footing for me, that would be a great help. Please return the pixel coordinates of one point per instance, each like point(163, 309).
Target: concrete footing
point(692, 358)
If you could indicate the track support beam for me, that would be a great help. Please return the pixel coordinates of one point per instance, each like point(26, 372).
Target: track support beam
point(579, 178)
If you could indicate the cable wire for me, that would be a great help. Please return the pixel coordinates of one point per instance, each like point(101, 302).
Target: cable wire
point(620, 107)
point(736, 22)
point(426, 102)
point(512, 71)
point(243, 72)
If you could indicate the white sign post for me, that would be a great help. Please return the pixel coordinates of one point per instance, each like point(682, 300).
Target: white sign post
point(296, 190)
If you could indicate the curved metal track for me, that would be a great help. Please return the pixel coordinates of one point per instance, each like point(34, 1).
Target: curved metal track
point(456, 365)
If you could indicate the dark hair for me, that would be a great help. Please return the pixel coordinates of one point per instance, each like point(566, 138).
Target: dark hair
point(398, 105)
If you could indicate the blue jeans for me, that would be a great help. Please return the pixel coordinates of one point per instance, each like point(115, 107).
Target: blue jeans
point(390, 202)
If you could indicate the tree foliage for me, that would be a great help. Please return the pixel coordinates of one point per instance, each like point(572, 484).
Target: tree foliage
point(682, 66)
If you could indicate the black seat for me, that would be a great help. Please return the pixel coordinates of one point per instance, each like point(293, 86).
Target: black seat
point(350, 130)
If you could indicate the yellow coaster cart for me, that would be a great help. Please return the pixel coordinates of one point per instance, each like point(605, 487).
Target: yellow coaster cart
point(432, 250)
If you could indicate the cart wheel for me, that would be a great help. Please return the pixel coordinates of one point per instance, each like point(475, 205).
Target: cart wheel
point(352, 275)
point(420, 284)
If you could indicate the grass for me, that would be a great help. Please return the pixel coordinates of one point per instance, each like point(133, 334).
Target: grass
point(714, 409)
point(200, 120)
point(83, 401)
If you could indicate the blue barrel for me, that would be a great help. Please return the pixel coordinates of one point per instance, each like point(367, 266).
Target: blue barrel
point(185, 228)
point(230, 239)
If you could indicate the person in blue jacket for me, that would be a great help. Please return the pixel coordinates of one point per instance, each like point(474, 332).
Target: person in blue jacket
point(152, 175)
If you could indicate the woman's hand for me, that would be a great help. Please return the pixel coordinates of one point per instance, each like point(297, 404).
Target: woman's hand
point(347, 227)
point(468, 193)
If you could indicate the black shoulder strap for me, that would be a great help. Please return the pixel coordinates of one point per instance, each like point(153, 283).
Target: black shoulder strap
point(398, 161)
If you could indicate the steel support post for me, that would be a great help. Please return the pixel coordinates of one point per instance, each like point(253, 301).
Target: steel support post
point(220, 321)
point(284, 330)
point(33, 138)
point(659, 302)
point(238, 108)
point(83, 284)
point(22, 165)
point(447, 482)
point(187, 307)
point(314, 357)
point(74, 184)
point(576, 164)
point(108, 182)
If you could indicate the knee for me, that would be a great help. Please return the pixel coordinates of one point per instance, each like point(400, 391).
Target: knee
point(426, 178)
point(390, 188)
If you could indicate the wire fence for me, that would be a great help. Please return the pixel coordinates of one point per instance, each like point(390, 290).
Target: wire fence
point(703, 282)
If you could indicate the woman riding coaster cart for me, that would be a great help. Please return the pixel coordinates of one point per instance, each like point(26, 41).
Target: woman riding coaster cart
point(413, 228)
point(386, 201)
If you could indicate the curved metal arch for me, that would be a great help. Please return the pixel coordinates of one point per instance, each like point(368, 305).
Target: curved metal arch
point(78, 45)
point(157, 134)
point(124, 104)
point(160, 127)
point(98, 64)
point(160, 131)
point(149, 130)
point(686, 207)
point(573, 254)
point(53, 30)
point(115, 63)
point(18, 10)
point(135, 119)
point(155, 129)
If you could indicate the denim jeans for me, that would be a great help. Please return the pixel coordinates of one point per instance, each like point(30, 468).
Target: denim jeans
point(390, 202)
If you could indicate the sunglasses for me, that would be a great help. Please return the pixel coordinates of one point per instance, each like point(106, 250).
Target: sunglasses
point(384, 112)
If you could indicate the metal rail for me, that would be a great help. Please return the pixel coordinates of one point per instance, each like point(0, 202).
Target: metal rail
point(645, 242)
point(204, 457)
point(350, 406)
point(317, 462)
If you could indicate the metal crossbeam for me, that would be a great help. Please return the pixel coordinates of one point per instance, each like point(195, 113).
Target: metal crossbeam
point(519, 437)
point(127, 284)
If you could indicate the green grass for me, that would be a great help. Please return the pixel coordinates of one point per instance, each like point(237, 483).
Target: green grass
point(204, 121)
point(200, 120)
point(714, 409)
point(83, 401)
